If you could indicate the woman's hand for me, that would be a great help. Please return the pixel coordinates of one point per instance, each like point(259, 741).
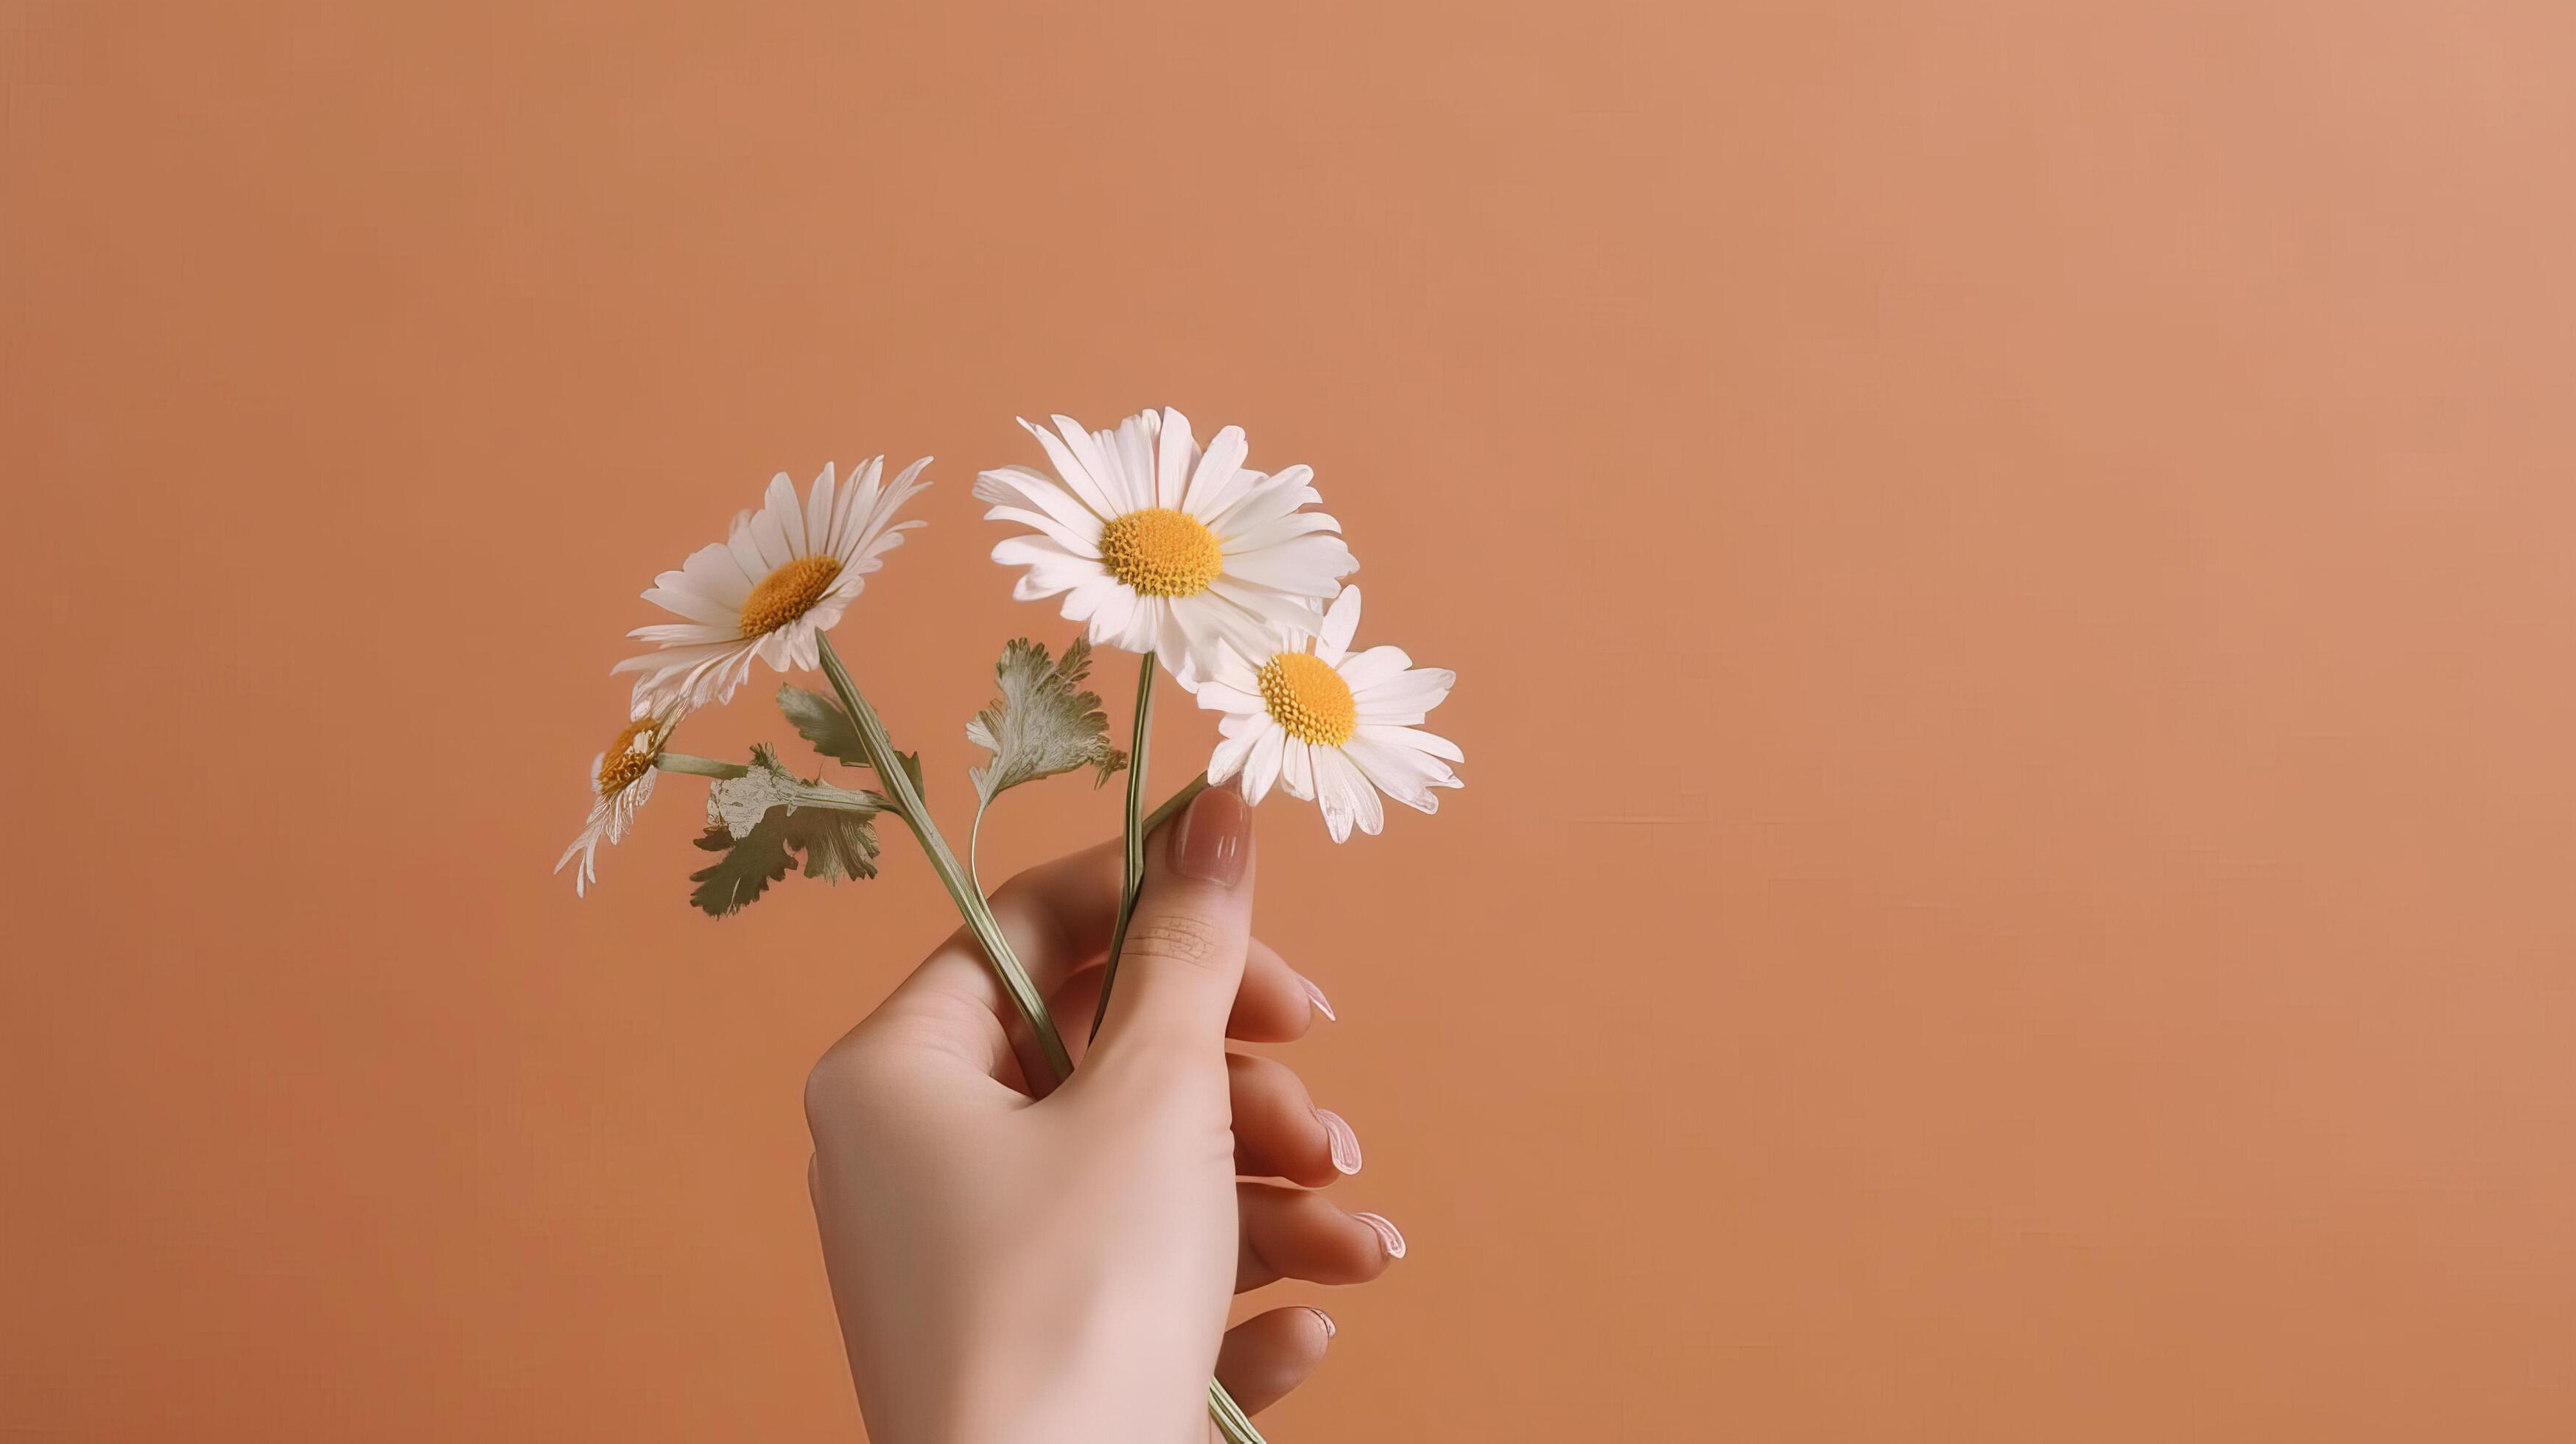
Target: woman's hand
point(1012, 1264)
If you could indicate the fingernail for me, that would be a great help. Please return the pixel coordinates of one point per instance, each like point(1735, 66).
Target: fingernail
point(1330, 1328)
point(1315, 995)
point(1210, 843)
point(1345, 1145)
point(1386, 1233)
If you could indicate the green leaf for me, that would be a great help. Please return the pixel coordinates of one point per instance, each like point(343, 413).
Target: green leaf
point(819, 720)
point(764, 821)
point(1041, 724)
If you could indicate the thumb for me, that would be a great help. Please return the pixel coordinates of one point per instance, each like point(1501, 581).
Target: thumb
point(1183, 959)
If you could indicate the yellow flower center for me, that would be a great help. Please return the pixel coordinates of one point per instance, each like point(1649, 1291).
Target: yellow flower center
point(1307, 697)
point(629, 757)
point(1161, 552)
point(786, 594)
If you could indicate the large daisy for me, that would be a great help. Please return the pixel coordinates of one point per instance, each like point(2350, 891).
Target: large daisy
point(1162, 547)
point(1331, 725)
point(784, 574)
point(621, 780)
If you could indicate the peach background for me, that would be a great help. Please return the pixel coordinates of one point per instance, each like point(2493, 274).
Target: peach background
point(2011, 565)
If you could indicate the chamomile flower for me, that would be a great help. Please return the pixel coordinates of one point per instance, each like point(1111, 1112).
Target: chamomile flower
point(621, 780)
point(1330, 725)
point(783, 575)
point(1162, 547)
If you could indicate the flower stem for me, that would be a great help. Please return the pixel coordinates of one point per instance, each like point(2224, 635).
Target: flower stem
point(699, 766)
point(1137, 832)
point(906, 801)
point(1139, 745)
point(897, 781)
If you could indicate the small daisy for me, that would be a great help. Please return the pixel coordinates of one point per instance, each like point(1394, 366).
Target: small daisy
point(1331, 725)
point(1161, 547)
point(783, 575)
point(621, 780)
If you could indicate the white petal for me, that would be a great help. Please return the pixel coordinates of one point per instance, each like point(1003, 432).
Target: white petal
point(1214, 475)
point(1115, 610)
point(672, 594)
point(746, 553)
point(1341, 623)
point(1218, 697)
point(1087, 450)
point(672, 659)
point(1083, 602)
point(1075, 478)
point(1228, 757)
point(686, 634)
point(1357, 793)
point(1403, 699)
point(1261, 769)
point(856, 498)
point(1372, 667)
point(1208, 624)
point(1052, 569)
point(1133, 450)
point(1297, 772)
point(1219, 499)
point(786, 521)
point(1035, 493)
point(1266, 502)
point(1176, 455)
point(1336, 786)
point(818, 511)
point(713, 572)
point(1414, 738)
point(1273, 533)
point(1310, 566)
point(1394, 772)
point(1056, 531)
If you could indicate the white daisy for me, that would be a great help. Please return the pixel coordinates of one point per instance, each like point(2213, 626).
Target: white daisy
point(1331, 725)
point(784, 574)
point(621, 780)
point(1161, 547)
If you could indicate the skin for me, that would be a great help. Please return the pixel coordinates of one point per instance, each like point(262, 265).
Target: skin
point(1014, 1263)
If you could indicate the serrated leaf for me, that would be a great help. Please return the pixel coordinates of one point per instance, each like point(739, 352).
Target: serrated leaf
point(819, 720)
point(1042, 724)
point(766, 820)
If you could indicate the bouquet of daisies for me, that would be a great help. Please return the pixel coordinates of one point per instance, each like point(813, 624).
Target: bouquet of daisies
point(1226, 577)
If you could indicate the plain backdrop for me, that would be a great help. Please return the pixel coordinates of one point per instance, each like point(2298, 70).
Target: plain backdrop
point(2010, 566)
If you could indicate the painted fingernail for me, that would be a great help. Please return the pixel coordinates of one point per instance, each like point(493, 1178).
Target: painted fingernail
point(1345, 1145)
point(1387, 1235)
point(1315, 995)
point(1212, 838)
point(1330, 1328)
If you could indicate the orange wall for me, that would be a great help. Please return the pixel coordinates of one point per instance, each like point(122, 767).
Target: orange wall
point(2011, 566)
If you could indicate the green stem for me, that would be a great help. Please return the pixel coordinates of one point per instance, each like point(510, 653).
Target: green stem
point(1140, 744)
point(823, 794)
point(699, 766)
point(1137, 832)
point(907, 803)
point(1173, 804)
point(905, 800)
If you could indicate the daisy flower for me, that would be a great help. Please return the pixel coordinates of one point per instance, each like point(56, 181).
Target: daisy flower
point(783, 575)
point(1162, 547)
point(621, 780)
point(1330, 725)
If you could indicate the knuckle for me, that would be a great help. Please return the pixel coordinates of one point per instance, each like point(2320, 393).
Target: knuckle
point(831, 1086)
point(1178, 939)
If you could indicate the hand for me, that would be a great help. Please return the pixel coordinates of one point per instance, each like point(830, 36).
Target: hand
point(1013, 1264)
